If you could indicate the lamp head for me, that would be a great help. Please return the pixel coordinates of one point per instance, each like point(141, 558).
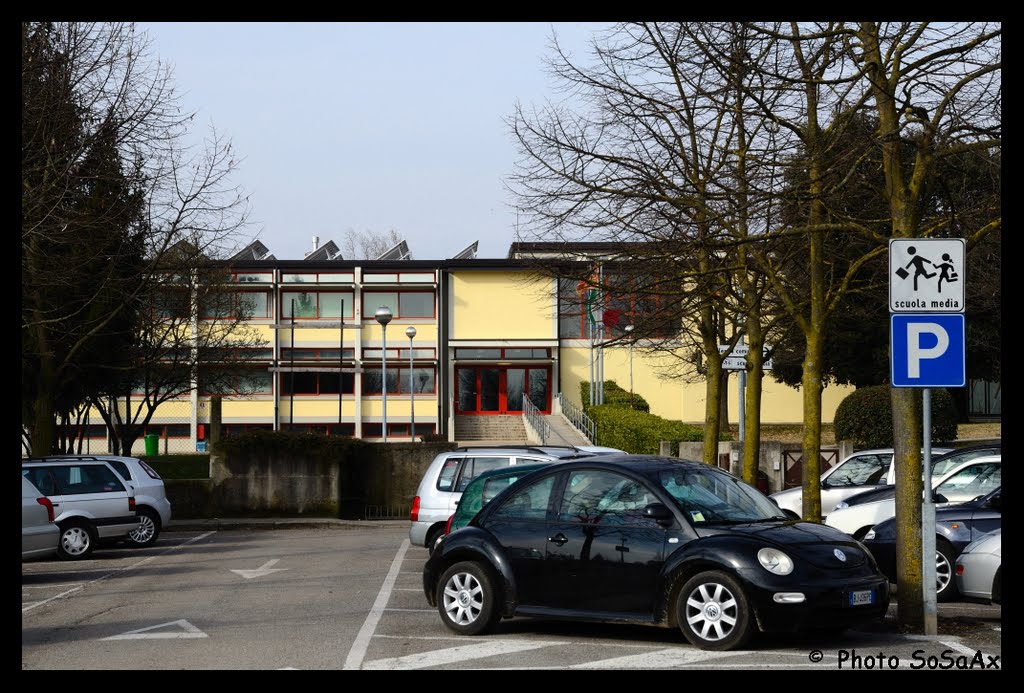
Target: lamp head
point(383, 315)
point(410, 331)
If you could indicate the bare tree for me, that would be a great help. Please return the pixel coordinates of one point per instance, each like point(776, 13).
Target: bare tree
point(96, 237)
point(937, 92)
point(368, 244)
point(659, 158)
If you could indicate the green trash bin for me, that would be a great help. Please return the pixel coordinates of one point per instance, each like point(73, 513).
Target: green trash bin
point(152, 444)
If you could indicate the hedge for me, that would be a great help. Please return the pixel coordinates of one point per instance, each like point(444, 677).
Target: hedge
point(864, 417)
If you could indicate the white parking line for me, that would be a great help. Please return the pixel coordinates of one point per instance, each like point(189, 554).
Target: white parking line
point(460, 655)
point(358, 651)
point(33, 605)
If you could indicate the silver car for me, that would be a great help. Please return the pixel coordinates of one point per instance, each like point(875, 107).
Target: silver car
point(90, 502)
point(39, 534)
point(979, 569)
point(860, 471)
point(151, 503)
point(450, 473)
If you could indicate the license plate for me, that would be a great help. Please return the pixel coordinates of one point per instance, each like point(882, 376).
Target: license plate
point(862, 597)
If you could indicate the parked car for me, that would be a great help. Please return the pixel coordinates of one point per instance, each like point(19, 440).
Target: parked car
point(151, 502)
point(941, 464)
point(956, 526)
point(485, 487)
point(450, 473)
point(39, 534)
point(650, 540)
point(962, 483)
point(90, 500)
point(979, 569)
point(860, 471)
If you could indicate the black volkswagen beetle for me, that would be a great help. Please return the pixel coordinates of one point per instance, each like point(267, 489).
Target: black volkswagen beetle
point(651, 540)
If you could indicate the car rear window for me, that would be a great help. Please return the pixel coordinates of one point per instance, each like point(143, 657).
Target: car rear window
point(446, 479)
point(475, 466)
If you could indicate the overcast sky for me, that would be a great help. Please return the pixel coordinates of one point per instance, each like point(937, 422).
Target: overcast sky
point(368, 126)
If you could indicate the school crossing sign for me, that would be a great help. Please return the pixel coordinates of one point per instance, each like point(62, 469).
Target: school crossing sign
point(926, 305)
point(926, 275)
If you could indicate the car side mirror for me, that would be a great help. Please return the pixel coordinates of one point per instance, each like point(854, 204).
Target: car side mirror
point(996, 503)
point(660, 513)
point(939, 498)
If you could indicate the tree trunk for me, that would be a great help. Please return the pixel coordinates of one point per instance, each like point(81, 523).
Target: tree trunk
point(811, 386)
point(907, 439)
point(711, 410)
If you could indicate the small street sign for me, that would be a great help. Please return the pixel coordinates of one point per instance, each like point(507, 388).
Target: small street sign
point(926, 275)
point(737, 359)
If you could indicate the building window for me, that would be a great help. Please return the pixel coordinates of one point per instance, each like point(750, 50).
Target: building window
point(398, 380)
point(238, 381)
point(317, 383)
point(314, 305)
point(170, 430)
point(398, 430)
point(346, 430)
point(403, 304)
point(171, 303)
point(316, 354)
point(236, 429)
point(234, 305)
point(653, 315)
point(463, 353)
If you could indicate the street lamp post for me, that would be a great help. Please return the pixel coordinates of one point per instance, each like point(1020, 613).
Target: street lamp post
point(410, 332)
point(629, 332)
point(383, 316)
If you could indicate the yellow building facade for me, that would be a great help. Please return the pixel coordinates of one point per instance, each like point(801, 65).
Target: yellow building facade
point(464, 337)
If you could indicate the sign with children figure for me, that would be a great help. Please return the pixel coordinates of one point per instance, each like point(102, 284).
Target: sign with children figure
point(926, 275)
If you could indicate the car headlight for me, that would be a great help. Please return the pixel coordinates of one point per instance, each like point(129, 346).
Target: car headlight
point(775, 561)
point(842, 504)
point(870, 535)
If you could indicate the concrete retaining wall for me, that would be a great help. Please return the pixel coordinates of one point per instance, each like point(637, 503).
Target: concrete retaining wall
point(260, 485)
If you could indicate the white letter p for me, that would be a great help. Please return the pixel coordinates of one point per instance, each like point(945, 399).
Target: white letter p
point(915, 354)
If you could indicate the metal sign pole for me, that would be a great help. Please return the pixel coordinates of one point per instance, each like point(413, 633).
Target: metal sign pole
point(928, 579)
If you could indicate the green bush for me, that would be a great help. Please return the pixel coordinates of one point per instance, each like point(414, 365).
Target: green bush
point(864, 417)
point(614, 395)
point(283, 444)
point(186, 466)
point(639, 432)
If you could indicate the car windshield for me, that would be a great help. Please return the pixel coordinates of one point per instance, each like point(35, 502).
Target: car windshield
point(710, 497)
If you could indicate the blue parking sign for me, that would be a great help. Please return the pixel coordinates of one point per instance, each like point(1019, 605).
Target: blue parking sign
point(928, 350)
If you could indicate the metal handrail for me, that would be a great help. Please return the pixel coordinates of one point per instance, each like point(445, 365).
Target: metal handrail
point(534, 418)
point(583, 423)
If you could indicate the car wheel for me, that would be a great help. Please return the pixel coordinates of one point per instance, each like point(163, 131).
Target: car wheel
point(713, 611)
point(466, 599)
point(76, 540)
point(945, 559)
point(433, 536)
point(148, 530)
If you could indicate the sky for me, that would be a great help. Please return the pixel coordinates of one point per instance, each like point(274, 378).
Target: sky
point(368, 126)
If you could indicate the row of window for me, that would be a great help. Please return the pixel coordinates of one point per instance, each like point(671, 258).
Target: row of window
point(418, 380)
point(304, 305)
point(370, 430)
point(576, 314)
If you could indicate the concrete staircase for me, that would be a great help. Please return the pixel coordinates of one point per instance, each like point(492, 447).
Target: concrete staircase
point(500, 429)
point(561, 432)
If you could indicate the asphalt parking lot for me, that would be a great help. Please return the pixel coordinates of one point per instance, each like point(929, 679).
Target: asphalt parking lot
point(272, 594)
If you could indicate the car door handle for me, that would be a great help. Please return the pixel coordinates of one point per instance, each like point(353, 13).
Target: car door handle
point(558, 539)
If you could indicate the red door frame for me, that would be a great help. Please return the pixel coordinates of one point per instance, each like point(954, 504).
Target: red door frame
point(502, 388)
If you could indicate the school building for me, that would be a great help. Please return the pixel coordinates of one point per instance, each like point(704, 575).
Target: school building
point(462, 345)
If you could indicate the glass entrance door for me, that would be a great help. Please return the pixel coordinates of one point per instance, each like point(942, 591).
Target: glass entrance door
point(500, 390)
